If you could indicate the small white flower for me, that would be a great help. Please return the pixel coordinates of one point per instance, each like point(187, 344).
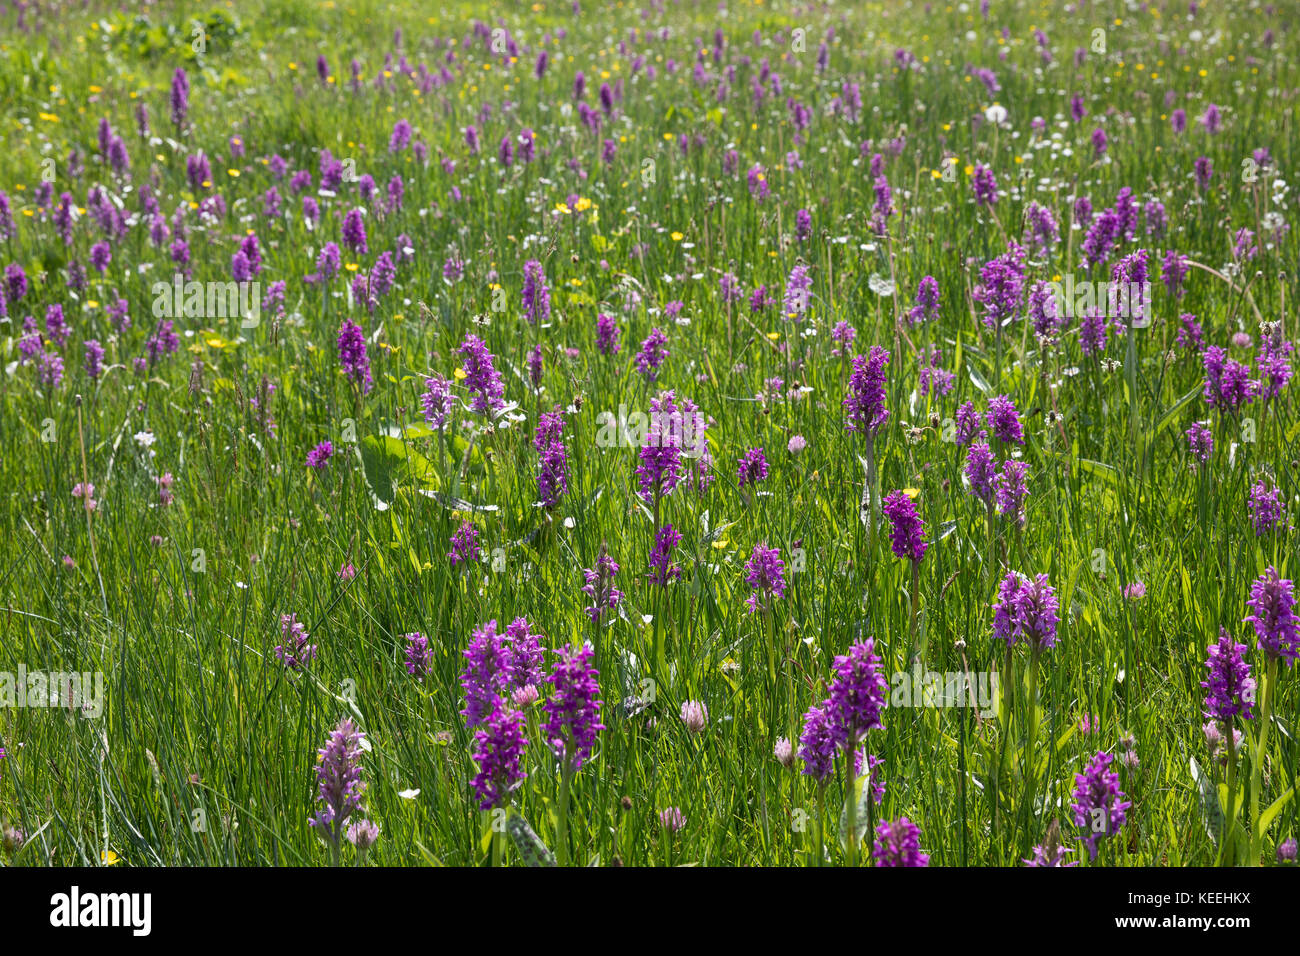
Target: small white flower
point(880, 285)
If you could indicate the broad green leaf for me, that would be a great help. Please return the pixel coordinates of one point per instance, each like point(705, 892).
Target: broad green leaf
point(862, 821)
point(1107, 472)
point(1268, 816)
point(1211, 810)
point(1172, 411)
point(528, 843)
point(978, 380)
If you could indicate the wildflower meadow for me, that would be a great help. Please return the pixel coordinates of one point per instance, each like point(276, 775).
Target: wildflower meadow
point(651, 433)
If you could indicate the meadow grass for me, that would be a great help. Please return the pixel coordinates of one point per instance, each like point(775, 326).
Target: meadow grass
point(206, 750)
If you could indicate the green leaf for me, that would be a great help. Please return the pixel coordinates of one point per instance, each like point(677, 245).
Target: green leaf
point(978, 380)
point(452, 503)
point(528, 843)
point(389, 462)
point(1172, 411)
point(418, 430)
point(1208, 804)
point(378, 467)
point(459, 445)
point(1283, 727)
point(862, 821)
point(1268, 816)
point(1107, 472)
point(713, 534)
